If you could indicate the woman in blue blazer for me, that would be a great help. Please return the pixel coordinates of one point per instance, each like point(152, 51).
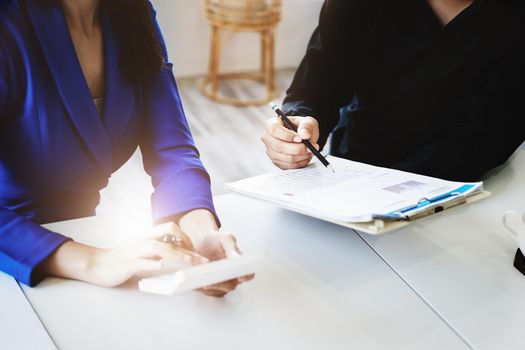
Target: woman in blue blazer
point(82, 84)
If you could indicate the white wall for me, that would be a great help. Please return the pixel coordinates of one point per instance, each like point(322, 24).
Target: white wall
point(187, 35)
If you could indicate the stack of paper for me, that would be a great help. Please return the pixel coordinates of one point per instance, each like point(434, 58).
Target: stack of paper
point(357, 193)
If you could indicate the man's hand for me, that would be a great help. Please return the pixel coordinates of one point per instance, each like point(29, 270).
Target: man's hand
point(285, 147)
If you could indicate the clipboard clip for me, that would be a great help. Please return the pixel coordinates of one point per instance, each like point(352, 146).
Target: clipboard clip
point(427, 207)
point(424, 207)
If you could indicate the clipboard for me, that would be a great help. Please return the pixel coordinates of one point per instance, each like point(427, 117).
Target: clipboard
point(360, 196)
point(380, 226)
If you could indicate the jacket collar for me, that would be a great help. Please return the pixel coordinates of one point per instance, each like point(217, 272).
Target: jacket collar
point(119, 94)
point(53, 35)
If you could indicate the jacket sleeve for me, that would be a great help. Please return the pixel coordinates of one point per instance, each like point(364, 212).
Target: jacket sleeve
point(486, 132)
point(23, 243)
point(170, 157)
point(317, 89)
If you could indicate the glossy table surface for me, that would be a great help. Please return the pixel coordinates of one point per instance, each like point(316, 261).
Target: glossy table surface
point(322, 287)
point(445, 282)
point(20, 327)
point(461, 263)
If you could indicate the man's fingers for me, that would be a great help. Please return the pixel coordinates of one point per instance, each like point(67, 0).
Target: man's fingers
point(276, 128)
point(283, 147)
point(288, 166)
point(288, 158)
point(308, 129)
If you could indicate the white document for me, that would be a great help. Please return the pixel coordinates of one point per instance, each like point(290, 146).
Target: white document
point(202, 275)
point(357, 192)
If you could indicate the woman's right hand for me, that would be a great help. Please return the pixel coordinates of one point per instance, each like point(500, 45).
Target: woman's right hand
point(284, 146)
point(110, 268)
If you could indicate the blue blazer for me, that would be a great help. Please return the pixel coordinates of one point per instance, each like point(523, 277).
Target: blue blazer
point(57, 152)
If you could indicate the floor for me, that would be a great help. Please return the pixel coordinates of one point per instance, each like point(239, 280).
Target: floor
point(227, 137)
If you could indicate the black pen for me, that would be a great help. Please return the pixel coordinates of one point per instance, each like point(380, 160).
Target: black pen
point(288, 123)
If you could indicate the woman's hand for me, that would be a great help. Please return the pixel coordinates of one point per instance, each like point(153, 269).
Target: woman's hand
point(217, 246)
point(199, 232)
point(284, 147)
point(144, 258)
point(110, 268)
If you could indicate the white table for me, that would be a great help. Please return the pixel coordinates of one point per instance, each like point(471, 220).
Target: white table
point(20, 328)
point(322, 288)
point(460, 263)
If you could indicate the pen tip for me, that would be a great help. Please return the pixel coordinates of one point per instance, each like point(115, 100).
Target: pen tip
point(272, 105)
point(329, 167)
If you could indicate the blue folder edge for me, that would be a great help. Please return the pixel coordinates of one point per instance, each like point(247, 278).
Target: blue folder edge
point(426, 202)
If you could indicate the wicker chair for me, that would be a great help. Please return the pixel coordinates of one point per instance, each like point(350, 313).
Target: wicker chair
point(259, 16)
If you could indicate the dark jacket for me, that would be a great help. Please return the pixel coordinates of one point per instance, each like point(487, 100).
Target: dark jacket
point(402, 91)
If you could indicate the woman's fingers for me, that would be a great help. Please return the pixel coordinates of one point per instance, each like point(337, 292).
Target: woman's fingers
point(246, 278)
point(229, 245)
point(231, 250)
point(170, 233)
point(142, 266)
point(213, 292)
point(220, 289)
point(150, 249)
point(159, 231)
point(219, 246)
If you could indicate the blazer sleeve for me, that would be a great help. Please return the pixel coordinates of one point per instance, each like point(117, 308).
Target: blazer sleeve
point(485, 133)
point(170, 157)
point(23, 243)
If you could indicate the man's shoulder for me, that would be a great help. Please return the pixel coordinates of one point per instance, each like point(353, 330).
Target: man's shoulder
point(357, 4)
point(348, 10)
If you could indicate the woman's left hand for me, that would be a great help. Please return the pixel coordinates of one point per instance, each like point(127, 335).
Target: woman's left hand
point(199, 233)
point(216, 246)
point(213, 245)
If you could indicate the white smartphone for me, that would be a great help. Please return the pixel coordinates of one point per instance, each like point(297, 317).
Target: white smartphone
point(199, 276)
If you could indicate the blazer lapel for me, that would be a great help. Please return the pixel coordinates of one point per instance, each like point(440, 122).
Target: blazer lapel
point(119, 94)
point(53, 34)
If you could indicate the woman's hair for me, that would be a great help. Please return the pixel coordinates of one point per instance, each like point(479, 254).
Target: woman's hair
point(141, 52)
